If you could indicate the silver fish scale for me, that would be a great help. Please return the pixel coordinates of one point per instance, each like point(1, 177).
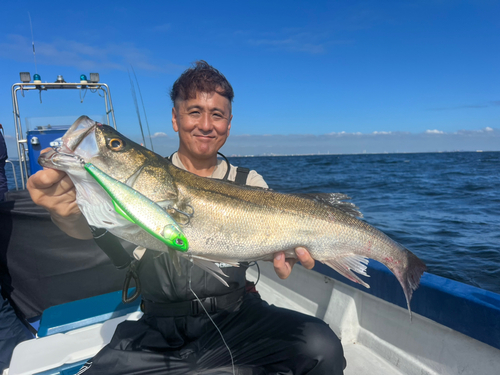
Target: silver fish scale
point(261, 230)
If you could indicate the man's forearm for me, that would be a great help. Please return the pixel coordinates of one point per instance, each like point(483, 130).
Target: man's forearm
point(75, 226)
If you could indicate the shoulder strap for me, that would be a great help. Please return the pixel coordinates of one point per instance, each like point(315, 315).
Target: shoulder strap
point(241, 175)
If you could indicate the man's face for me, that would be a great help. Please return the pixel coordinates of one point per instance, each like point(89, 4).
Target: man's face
point(203, 124)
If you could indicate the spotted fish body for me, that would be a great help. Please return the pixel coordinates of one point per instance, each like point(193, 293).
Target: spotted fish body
point(231, 223)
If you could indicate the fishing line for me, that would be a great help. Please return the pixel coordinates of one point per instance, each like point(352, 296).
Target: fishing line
point(209, 317)
point(84, 93)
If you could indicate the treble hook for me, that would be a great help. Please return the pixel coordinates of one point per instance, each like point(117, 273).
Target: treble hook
point(187, 215)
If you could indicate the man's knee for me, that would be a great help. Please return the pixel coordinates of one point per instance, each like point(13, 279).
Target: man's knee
point(323, 346)
point(321, 341)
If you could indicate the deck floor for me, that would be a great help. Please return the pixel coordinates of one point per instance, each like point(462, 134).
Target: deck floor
point(361, 361)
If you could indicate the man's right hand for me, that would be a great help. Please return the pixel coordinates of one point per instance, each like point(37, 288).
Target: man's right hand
point(54, 190)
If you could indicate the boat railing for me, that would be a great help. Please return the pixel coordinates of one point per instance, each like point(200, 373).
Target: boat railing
point(13, 172)
point(93, 85)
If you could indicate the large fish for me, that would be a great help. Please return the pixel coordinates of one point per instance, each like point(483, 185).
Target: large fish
point(224, 222)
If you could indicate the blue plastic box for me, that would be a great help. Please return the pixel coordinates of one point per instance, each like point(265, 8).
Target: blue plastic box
point(41, 138)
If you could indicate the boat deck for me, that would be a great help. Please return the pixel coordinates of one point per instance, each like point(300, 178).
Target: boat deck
point(360, 359)
point(378, 337)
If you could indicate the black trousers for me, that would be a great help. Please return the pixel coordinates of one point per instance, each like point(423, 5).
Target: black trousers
point(263, 339)
point(12, 332)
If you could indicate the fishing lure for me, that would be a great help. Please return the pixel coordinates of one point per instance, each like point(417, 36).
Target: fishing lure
point(141, 210)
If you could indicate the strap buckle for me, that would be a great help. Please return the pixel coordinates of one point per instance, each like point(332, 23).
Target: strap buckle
point(209, 303)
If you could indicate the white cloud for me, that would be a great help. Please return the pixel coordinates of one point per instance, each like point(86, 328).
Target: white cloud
point(381, 133)
point(344, 133)
point(293, 40)
point(488, 129)
point(63, 52)
point(434, 131)
point(159, 135)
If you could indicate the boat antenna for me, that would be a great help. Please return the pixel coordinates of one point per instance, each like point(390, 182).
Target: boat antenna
point(143, 108)
point(33, 42)
point(136, 106)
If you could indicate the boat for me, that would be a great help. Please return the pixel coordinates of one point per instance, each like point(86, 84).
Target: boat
point(454, 327)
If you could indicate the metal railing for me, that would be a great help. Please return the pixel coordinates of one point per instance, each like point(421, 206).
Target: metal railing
point(13, 172)
point(21, 142)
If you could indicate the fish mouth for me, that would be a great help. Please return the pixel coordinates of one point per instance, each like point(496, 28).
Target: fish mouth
point(77, 135)
point(78, 144)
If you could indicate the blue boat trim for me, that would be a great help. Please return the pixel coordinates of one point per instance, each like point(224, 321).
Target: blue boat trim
point(472, 311)
point(66, 369)
point(85, 312)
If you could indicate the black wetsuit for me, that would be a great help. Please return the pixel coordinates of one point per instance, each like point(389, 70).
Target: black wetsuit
point(175, 335)
point(3, 178)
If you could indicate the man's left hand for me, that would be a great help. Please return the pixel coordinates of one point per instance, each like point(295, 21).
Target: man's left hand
point(283, 266)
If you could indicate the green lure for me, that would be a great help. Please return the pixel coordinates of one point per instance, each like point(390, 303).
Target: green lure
point(141, 210)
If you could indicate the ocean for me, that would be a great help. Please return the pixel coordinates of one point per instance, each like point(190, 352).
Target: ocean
point(444, 207)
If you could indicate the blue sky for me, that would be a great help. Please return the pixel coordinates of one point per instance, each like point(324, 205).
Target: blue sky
point(323, 76)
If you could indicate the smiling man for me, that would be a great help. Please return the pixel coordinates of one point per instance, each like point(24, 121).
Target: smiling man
point(203, 124)
point(175, 335)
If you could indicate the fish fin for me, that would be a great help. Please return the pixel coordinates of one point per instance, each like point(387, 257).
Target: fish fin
point(211, 268)
point(232, 263)
point(139, 252)
point(121, 212)
point(131, 180)
point(175, 260)
point(349, 263)
point(335, 200)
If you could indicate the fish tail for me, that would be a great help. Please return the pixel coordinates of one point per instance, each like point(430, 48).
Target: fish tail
point(409, 278)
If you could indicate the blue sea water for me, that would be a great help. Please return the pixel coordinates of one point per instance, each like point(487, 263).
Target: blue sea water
point(444, 207)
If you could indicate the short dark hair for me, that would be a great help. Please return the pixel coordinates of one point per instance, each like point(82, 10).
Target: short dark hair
point(201, 77)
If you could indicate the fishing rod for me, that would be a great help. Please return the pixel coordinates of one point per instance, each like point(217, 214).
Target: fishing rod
point(143, 108)
point(136, 106)
point(33, 42)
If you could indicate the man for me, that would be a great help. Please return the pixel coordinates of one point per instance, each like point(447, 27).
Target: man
point(12, 331)
point(174, 336)
point(3, 158)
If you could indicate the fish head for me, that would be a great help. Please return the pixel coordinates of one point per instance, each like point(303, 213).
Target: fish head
point(88, 141)
point(78, 145)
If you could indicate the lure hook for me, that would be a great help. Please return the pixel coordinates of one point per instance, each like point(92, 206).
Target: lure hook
point(186, 214)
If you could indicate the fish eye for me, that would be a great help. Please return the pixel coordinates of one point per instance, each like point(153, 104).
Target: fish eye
point(179, 242)
point(116, 144)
